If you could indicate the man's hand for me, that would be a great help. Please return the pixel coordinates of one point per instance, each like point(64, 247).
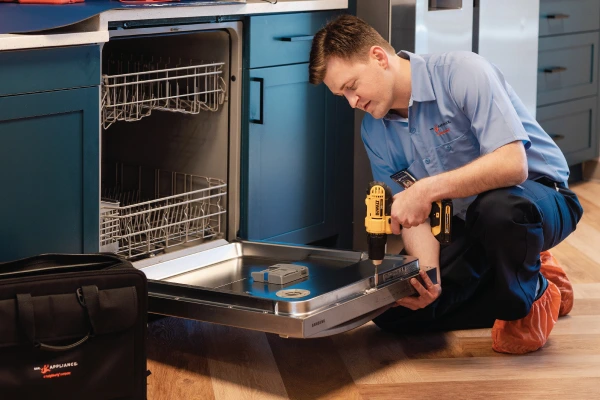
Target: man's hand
point(411, 207)
point(427, 294)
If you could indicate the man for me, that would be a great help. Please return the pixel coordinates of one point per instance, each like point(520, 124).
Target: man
point(456, 125)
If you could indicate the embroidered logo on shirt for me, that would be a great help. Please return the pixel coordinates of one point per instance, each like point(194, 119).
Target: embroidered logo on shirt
point(439, 129)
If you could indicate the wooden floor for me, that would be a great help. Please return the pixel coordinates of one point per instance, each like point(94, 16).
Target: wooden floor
point(194, 360)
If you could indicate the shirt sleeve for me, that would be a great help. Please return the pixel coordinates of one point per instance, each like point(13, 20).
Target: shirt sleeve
point(479, 89)
point(379, 167)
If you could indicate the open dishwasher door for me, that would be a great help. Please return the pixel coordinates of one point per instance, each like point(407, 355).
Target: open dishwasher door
point(334, 293)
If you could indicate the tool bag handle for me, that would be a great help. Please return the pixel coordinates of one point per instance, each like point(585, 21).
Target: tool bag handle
point(88, 298)
point(57, 263)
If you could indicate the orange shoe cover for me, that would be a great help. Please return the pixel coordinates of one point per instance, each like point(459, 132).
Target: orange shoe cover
point(552, 270)
point(531, 332)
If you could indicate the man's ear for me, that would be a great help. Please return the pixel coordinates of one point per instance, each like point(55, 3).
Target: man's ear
point(378, 54)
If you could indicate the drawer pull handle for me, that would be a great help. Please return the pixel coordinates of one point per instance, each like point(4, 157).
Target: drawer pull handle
point(554, 70)
point(296, 38)
point(261, 82)
point(557, 16)
point(555, 137)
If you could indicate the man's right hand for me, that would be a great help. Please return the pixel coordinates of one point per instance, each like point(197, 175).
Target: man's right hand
point(411, 207)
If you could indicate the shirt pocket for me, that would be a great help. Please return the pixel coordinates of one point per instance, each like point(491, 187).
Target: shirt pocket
point(458, 152)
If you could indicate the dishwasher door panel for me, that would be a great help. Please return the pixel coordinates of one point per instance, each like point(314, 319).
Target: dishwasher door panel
point(216, 285)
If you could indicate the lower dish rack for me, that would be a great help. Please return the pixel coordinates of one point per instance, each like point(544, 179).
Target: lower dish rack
point(146, 211)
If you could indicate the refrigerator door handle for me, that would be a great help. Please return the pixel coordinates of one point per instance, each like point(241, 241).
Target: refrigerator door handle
point(557, 16)
point(554, 70)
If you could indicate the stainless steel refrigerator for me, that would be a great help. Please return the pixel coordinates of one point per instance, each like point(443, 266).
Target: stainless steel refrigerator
point(504, 32)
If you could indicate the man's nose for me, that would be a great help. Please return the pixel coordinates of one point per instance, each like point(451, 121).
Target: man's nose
point(353, 100)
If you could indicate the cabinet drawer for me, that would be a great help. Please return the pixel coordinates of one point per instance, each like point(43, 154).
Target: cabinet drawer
point(568, 16)
point(567, 67)
point(284, 38)
point(28, 71)
point(573, 127)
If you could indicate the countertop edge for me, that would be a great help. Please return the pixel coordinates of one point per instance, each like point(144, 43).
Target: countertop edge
point(20, 42)
point(97, 32)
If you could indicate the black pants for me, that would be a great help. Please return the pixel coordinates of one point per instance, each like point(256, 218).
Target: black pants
point(491, 269)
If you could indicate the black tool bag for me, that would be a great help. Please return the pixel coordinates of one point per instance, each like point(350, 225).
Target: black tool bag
point(72, 327)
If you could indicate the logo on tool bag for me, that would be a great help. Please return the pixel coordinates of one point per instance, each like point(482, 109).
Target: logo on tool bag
point(47, 370)
point(439, 129)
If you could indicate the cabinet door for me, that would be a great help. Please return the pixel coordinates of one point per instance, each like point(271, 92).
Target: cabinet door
point(49, 173)
point(291, 156)
point(572, 125)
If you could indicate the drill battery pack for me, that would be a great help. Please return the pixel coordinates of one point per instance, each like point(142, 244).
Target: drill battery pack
point(440, 217)
point(441, 220)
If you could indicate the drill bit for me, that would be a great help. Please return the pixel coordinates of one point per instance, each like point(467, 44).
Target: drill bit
point(376, 264)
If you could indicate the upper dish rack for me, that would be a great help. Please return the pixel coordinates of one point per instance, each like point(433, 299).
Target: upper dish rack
point(135, 85)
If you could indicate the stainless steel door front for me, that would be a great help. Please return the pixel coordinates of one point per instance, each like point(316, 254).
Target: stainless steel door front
point(215, 285)
point(421, 26)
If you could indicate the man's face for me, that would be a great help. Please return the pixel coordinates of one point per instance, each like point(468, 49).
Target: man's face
point(367, 85)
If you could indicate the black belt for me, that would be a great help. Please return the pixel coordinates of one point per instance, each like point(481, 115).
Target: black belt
point(544, 180)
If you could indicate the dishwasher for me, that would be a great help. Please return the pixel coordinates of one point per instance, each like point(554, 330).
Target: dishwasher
point(170, 185)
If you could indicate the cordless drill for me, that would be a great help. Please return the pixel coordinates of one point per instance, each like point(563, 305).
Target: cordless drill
point(378, 220)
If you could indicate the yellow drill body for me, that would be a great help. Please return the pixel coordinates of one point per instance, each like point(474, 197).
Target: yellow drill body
point(376, 221)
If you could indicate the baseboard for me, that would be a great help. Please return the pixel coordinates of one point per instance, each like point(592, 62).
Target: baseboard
point(591, 169)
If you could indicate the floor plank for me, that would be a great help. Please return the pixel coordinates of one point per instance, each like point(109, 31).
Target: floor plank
point(312, 369)
point(587, 291)
point(513, 389)
point(535, 365)
point(241, 364)
point(374, 357)
point(579, 267)
point(177, 360)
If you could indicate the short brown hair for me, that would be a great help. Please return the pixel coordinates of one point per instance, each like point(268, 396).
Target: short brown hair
point(347, 37)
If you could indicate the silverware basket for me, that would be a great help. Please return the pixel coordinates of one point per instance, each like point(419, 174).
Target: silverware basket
point(157, 209)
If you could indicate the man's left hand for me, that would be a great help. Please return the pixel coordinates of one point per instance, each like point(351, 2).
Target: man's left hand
point(427, 294)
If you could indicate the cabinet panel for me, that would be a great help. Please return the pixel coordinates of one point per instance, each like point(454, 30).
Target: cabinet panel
point(568, 67)
point(568, 16)
point(28, 71)
point(50, 176)
point(290, 156)
point(285, 38)
point(573, 126)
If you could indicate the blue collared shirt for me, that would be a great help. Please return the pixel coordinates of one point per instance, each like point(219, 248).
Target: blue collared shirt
point(461, 108)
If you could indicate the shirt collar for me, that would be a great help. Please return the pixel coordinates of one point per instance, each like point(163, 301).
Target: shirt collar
point(422, 89)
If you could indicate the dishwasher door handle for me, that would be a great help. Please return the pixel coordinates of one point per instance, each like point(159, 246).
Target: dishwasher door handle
point(261, 82)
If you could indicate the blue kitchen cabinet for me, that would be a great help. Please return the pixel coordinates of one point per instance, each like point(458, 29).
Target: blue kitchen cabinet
point(291, 156)
point(49, 158)
point(298, 140)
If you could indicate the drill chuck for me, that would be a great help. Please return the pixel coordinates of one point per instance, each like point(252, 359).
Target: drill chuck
point(376, 243)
